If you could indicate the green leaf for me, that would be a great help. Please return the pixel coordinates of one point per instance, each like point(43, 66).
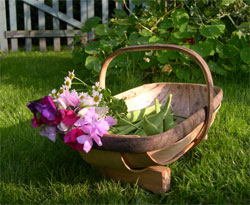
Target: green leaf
point(143, 40)
point(245, 55)
point(181, 73)
point(78, 57)
point(226, 2)
point(166, 24)
point(145, 33)
point(119, 13)
point(92, 22)
point(92, 47)
point(177, 37)
point(93, 63)
point(133, 38)
point(180, 18)
point(155, 39)
point(162, 57)
point(204, 49)
point(214, 30)
point(86, 29)
point(227, 51)
point(215, 68)
point(102, 30)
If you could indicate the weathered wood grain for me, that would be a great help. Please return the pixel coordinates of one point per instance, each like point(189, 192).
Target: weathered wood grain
point(105, 11)
point(56, 26)
point(3, 28)
point(13, 24)
point(27, 26)
point(69, 12)
point(41, 23)
point(54, 13)
point(42, 33)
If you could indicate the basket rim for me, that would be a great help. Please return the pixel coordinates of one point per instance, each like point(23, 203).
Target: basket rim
point(137, 144)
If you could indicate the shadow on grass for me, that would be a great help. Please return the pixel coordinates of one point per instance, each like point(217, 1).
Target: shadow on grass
point(27, 157)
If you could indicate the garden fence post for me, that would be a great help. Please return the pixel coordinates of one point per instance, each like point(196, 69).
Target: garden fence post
point(3, 28)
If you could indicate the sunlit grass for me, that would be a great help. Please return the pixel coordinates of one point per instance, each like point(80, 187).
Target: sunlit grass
point(35, 170)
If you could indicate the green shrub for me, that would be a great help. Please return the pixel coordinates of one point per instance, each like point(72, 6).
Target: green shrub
point(217, 30)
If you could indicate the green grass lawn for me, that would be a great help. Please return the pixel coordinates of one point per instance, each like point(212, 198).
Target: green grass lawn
point(35, 170)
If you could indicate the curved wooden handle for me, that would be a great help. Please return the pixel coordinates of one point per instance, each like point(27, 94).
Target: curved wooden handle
point(198, 59)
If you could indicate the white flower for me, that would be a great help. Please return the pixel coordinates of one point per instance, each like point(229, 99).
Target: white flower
point(67, 82)
point(53, 93)
point(96, 87)
point(71, 75)
point(97, 97)
point(85, 99)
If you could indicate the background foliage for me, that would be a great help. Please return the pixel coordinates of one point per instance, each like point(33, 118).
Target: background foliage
point(217, 30)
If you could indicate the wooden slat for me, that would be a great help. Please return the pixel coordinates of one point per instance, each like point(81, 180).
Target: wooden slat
point(13, 24)
point(42, 33)
point(69, 12)
point(27, 26)
point(105, 11)
point(84, 17)
point(3, 28)
point(54, 13)
point(41, 22)
point(91, 13)
point(84, 12)
point(56, 26)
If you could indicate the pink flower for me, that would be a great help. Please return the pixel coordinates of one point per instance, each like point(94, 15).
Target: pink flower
point(70, 139)
point(69, 117)
point(93, 128)
point(68, 99)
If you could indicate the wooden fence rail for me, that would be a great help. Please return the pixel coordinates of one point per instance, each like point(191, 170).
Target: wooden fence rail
point(9, 37)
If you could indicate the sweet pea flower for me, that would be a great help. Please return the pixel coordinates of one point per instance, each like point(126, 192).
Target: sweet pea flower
point(69, 117)
point(45, 112)
point(68, 99)
point(70, 139)
point(49, 131)
point(93, 127)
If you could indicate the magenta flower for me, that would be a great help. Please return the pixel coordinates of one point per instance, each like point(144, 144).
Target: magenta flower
point(69, 117)
point(68, 99)
point(45, 112)
point(70, 139)
point(49, 131)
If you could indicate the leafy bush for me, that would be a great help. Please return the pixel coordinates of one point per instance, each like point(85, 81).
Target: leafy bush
point(217, 30)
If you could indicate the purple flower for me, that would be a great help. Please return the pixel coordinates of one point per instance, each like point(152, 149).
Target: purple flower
point(46, 109)
point(49, 131)
point(68, 99)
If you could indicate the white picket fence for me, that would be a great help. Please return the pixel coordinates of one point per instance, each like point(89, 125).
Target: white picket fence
point(9, 38)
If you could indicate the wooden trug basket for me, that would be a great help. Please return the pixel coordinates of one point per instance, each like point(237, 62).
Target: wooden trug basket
point(134, 159)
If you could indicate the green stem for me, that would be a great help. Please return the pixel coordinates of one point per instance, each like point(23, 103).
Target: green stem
point(82, 81)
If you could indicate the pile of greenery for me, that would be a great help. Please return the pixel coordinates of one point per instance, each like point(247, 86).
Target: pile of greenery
point(217, 30)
